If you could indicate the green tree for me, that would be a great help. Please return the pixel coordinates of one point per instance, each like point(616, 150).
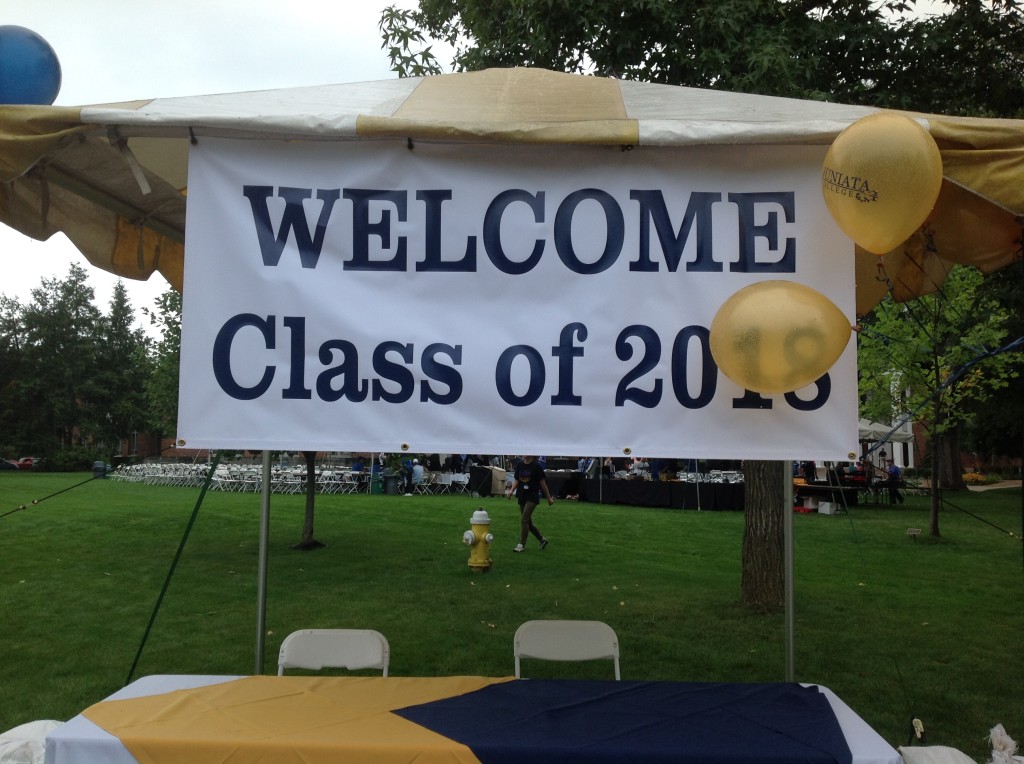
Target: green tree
point(121, 374)
point(748, 45)
point(851, 51)
point(967, 60)
point(56, 387)
point(161, 386)
point(11, 341)
point(934, 360)
point(997, 427)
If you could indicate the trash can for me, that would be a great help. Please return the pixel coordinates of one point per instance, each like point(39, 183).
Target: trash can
point(376, 484)
point(99, 470)
point(391, 484)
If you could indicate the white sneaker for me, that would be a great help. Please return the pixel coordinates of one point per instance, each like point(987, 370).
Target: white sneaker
point(519, 548)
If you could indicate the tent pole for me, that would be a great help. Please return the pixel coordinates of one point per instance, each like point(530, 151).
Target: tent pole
point(261, 583)
point(787, 530)
point(696, 463)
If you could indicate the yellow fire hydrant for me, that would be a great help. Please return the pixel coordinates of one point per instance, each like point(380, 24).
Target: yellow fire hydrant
point(478, 538)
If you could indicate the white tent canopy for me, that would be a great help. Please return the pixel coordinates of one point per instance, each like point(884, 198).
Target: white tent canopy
point(869, 431)
point(113, 177)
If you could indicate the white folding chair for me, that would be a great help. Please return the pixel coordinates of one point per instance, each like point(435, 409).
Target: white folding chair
point(460, 482)
point(351, 649)
point(444, 482)
point(348, 484)
point(426, 485)
point(566, 641)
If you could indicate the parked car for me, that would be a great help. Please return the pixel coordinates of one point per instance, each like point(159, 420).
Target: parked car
point(29, 462)
point(7, 464)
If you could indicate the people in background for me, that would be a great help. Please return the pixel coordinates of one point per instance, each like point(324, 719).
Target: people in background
point(417, 472)
point(586, 464)
point(893, 482)
point(406, 472)
point(528, 482)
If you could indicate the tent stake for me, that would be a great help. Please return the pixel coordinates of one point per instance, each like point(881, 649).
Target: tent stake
point(261, 583)
point(787, 530)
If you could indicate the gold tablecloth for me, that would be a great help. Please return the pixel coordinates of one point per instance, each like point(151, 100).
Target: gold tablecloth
point(307, 720)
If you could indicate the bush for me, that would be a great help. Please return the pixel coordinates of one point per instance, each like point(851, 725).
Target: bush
point(75, 459)
point(977, 478)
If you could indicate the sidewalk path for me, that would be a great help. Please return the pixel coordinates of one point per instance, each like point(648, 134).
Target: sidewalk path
point(1004, 484)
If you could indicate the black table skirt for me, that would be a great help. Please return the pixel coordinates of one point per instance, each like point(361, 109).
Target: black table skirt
point(669, 495)
point(561, 484)
point(637, 493)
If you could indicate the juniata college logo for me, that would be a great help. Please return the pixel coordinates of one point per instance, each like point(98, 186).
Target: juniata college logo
point(848, 185)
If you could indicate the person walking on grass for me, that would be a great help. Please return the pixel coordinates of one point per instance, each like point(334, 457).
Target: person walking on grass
point(528, 482)
point(894, 477)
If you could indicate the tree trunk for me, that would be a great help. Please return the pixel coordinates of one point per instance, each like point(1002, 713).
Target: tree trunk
point(936, 491)
point(937, 438)
point(762, 582)
point(308, 542)
point(950, 470)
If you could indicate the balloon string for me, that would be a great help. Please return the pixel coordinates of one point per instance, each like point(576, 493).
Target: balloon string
point(883, 276)
point(927, 234)
point(929, 240)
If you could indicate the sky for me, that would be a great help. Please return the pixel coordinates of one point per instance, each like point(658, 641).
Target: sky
point(111, 51)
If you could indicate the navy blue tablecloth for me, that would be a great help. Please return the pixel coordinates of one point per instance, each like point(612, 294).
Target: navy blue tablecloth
point(546, 721)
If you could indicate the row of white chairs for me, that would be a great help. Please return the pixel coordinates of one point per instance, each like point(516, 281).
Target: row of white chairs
point(443, 482)
point(243, 479)
point(162, 474)
point(356, 649)
point(715, 476)
point(235, 478)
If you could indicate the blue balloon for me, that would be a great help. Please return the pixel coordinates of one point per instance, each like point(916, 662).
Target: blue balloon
point(29, 69)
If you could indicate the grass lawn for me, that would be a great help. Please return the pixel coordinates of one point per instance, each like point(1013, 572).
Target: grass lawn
point(898, 628)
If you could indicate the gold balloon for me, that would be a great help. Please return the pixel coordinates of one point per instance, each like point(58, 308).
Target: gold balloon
point(880, 180)
point(777, 336)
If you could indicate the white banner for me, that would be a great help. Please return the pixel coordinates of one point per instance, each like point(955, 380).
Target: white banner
point(376, 296)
